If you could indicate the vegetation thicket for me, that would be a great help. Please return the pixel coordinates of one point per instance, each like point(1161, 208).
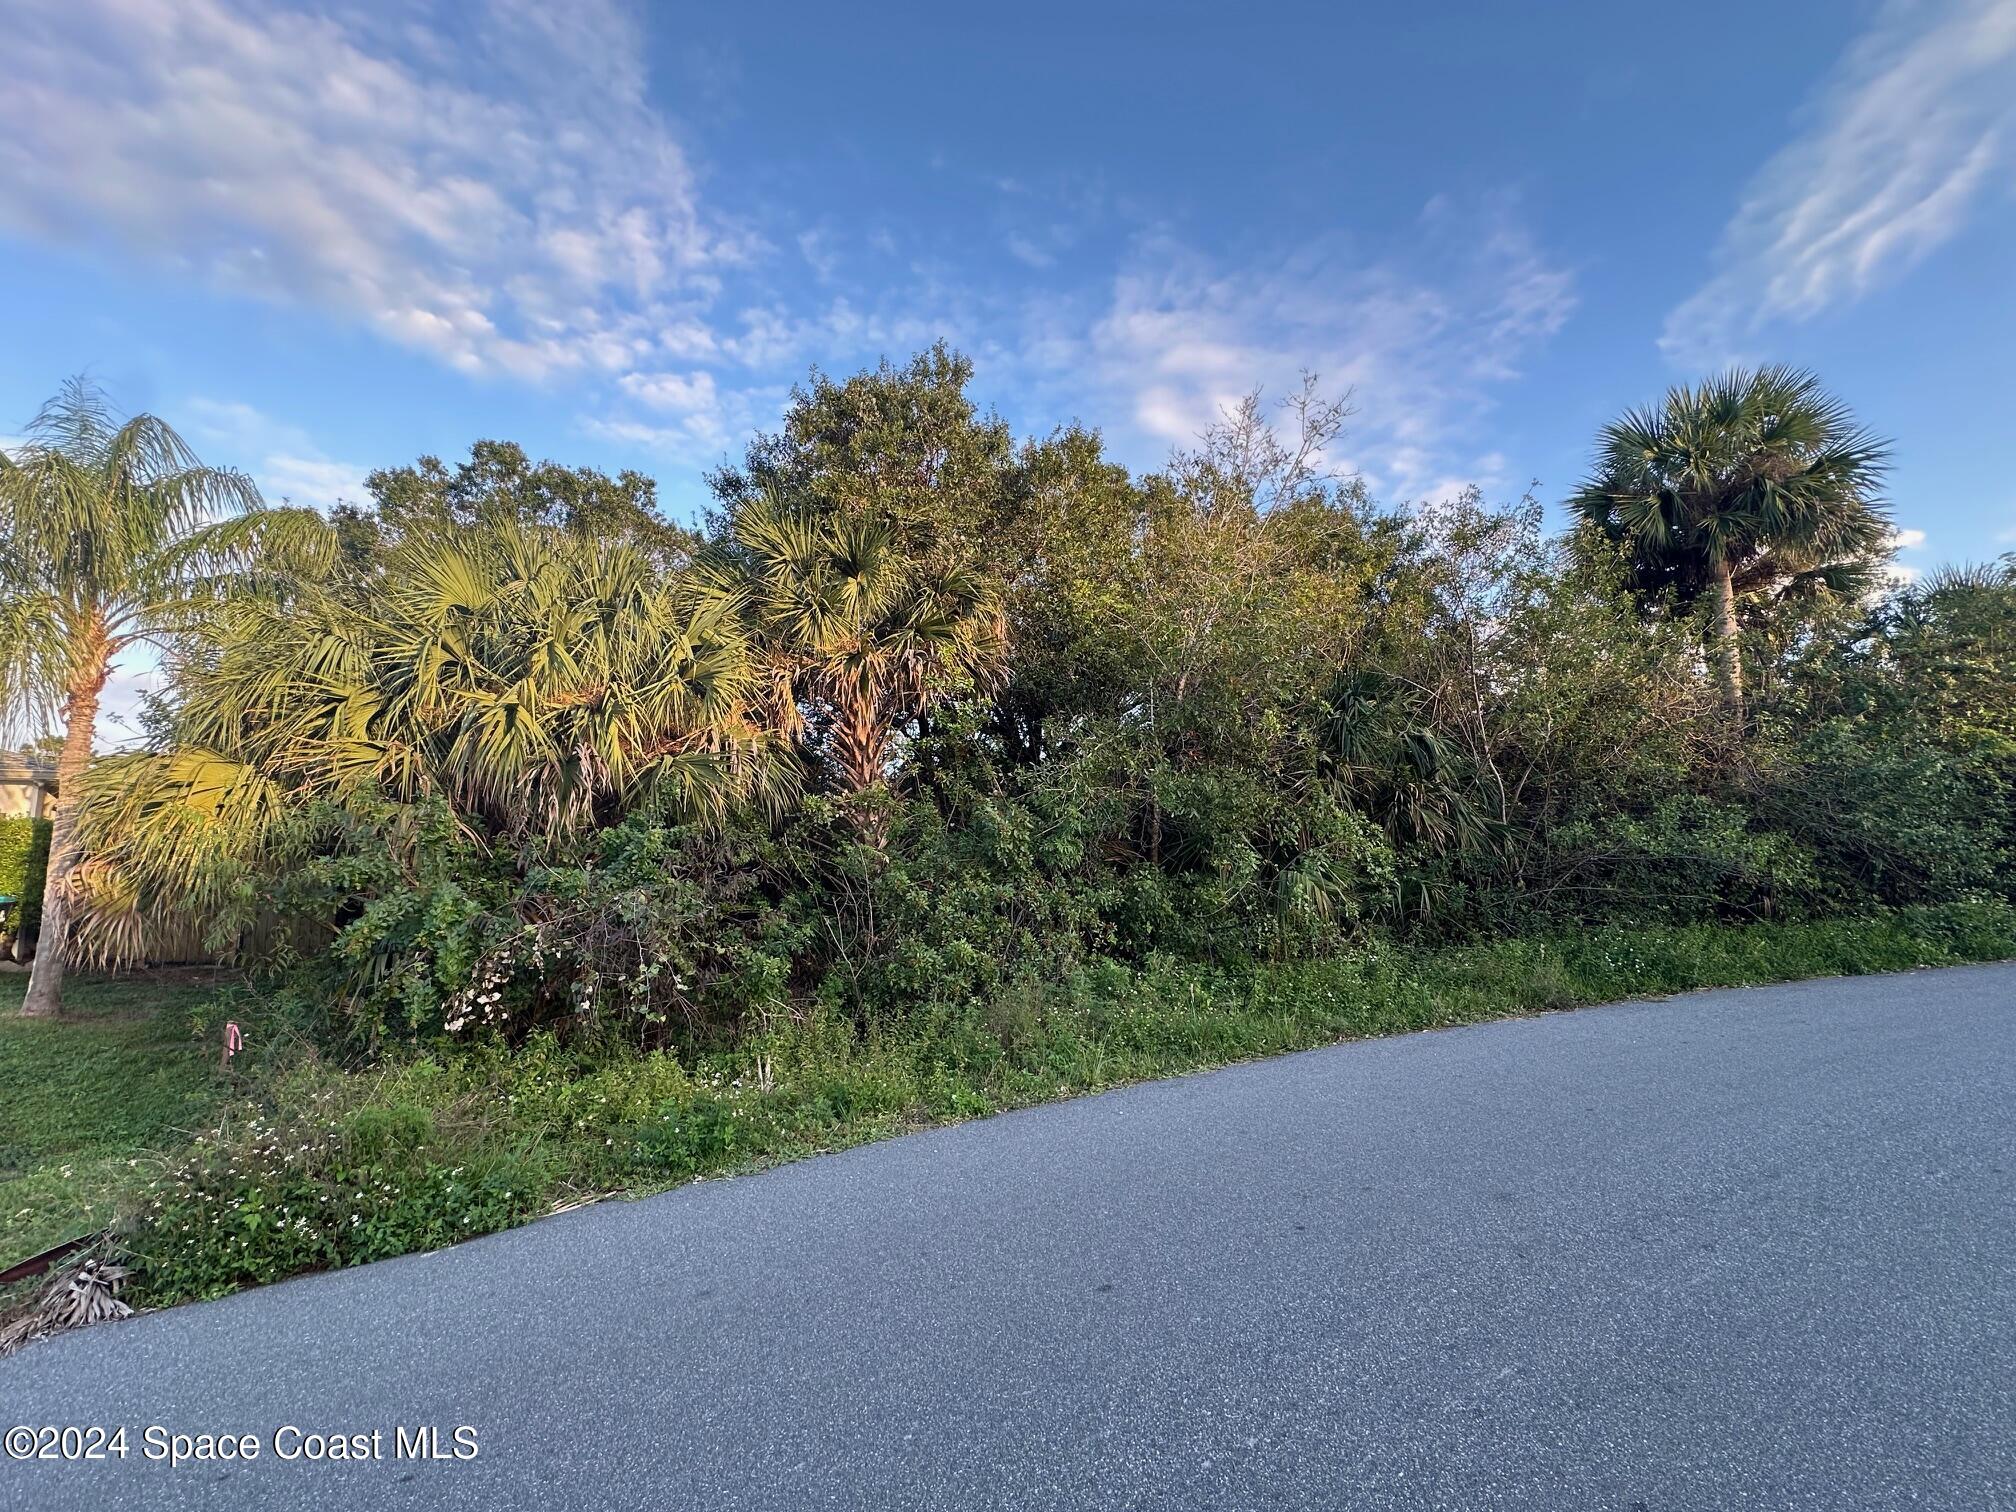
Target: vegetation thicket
point(560, 848)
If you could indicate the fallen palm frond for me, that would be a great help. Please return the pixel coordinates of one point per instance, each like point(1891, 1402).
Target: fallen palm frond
point(77, 1295)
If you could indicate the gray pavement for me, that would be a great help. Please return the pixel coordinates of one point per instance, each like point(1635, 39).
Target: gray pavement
point(1737, 1249)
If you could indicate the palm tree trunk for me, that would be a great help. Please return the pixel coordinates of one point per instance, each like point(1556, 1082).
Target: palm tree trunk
point(1729, 647)
point(45, 976)
point(860, 746)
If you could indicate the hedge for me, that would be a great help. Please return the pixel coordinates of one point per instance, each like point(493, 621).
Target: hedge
point(24, 861)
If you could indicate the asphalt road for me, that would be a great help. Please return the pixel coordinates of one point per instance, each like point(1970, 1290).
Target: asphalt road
point(1737, 1249)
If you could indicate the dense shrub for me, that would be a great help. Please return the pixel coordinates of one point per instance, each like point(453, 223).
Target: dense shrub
point(925, 725)
point(1886, 815)
point(1688, 857)
point(332, 1179)
point(24, 860)
point(567, 850)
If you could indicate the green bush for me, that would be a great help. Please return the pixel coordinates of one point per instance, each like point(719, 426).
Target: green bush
point(1887, 816)
point(24, 862)
point(324, 1176)
point(939, 774)
point(1687, 858)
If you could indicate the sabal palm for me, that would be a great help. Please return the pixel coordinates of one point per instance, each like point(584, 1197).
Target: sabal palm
point(112, 533)
point(1754, 480)
point(858, 634)
point(538, 682)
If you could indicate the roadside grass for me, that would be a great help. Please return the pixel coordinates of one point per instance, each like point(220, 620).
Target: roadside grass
point(115, 1115)
point(118, 1074)
point(320, 1168)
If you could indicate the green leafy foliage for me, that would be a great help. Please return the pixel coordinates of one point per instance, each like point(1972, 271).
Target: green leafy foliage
point(1755, 485)
point(24, 863)
point(923, 717)
point(567, 851)
point(331, 1169)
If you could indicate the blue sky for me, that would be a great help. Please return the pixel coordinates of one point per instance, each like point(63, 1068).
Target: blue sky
point(322, 239)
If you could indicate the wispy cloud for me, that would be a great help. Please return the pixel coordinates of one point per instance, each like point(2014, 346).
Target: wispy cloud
point(688, 421)
point(491, 183)
point(1027, 251)
point(1896, 151)
point(491, 187)
point(820, 249)
point(1419, 340)
point(286, 464)
point(684, 393)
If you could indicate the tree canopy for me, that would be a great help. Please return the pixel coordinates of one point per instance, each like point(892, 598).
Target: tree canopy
point(1755, 484)
point(924, 714)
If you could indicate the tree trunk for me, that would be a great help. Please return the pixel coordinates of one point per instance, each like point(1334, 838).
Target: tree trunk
point(1728, 646)
point(45, 976)
point(861, 748)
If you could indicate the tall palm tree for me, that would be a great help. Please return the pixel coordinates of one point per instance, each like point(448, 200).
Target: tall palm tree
point(112, 534)
point(1756, 482)
point(859, 635)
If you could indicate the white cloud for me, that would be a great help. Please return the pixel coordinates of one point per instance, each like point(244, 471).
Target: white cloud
point(488, 182)
point(490, 187)
point(816, 247)
point(687, 393)
point(1908, 538)
point(1914, 125)
point(1419, 339)
point(313, 481)
point(1489, 474)
point(694, 441)
point(283, 461)
point(136, 674)
point(675, 439)
point(696, 434)
point(1026, 251)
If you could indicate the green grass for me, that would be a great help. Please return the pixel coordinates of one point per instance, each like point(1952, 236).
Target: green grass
point(118, 1074)
point(310, 1166)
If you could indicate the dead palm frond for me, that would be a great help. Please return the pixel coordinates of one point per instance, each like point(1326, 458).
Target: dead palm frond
point(77, 1295)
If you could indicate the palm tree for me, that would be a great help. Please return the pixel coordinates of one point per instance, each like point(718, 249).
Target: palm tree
point(112, 534)
point(1756, 482)
point(541, 682)
point(859, 636)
